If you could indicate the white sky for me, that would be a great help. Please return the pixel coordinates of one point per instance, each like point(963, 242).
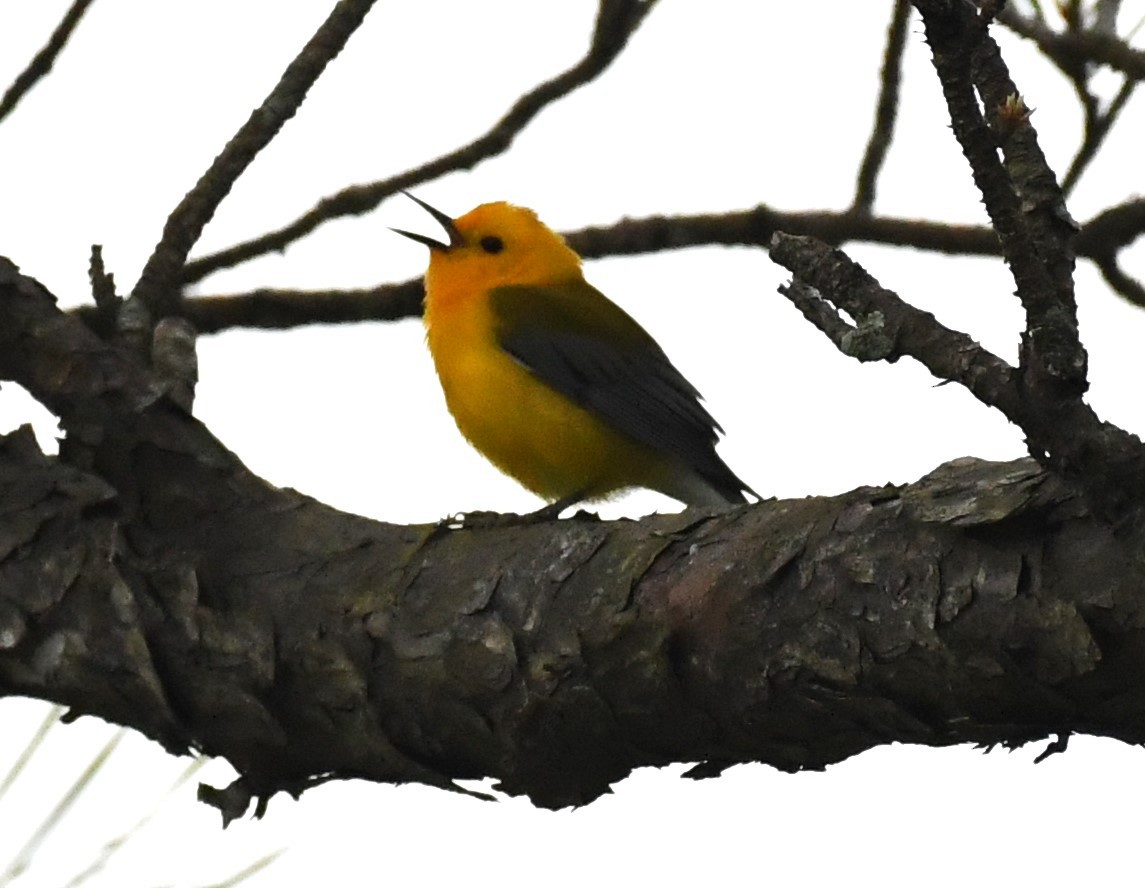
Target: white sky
point(716, 105)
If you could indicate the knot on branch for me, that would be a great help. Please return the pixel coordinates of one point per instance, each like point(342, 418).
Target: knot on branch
point(869, 340)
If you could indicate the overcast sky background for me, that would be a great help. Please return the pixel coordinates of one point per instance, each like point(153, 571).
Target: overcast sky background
point(716, 105)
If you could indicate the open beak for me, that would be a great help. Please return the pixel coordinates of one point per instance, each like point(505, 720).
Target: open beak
point(455, 238)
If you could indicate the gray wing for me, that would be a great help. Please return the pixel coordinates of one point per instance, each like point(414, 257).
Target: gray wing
point(577, 341)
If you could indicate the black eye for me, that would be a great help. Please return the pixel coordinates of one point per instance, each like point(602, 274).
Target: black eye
point(492, 244)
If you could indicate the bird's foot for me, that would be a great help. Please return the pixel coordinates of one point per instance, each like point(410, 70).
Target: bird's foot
point(483, 520)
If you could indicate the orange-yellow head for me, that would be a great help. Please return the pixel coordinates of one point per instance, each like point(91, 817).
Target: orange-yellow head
point(494, 245)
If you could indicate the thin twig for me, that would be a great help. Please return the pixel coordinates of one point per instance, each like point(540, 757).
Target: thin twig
point(1079, 70)
point(823, 316)
point(1123, 284)
point(1112, 229)
point(99, 860)
point(158, 286)
point(102, 286)
point(43, 61)
point(51, 719)
point(886, 112)
point(63, 805)
point(617, 20)
point(1089, 46)
point(268, 309)
point(250, 870)
point(1095, 134)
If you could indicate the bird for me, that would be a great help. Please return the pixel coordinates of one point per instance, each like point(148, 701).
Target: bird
point(550, 380)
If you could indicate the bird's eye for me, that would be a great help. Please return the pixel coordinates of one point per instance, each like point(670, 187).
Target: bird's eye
point(492, 244)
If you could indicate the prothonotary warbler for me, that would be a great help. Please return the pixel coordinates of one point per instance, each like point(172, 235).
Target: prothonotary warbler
point(554, 383)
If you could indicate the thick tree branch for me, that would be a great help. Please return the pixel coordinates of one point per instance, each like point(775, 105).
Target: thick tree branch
point(983, 604)
point(162, 586)
point(42, 62)
point(616, 22)
point(148, 577)
point(158, 287)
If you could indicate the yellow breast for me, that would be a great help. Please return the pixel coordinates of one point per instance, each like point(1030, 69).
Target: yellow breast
point(551, 445)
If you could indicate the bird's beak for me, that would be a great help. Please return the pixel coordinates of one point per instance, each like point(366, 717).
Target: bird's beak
point(455, 238)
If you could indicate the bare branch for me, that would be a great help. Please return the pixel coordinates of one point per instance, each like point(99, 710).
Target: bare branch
point(1056, 356)
point(1079, 69)
point(1097, 127)
point(107, 301)
point(755, 227)
point(1021, 196)
point(1124, 284)
point(42, 64)
point(823, 316)
point(984, 603)
point(886, 111)
point(271, 309)
point(1105, 16)
point(616, 21)
point(150, 578)
point(905, 330)
point(158, 286)
point(1116, 227)
point(1064, 435)
point(1072, 46)
point(44, 354)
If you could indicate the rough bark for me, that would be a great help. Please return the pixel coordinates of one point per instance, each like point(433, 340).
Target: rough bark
point(146, 576)
point(167, 588)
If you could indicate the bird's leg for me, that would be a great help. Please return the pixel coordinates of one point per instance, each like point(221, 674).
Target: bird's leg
point(553, 510)
point(549, 512)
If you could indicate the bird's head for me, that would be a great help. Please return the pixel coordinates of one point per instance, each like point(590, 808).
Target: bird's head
point(495, 245)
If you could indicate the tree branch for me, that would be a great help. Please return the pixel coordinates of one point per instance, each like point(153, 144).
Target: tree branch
point(885, 112)
point(1070, 47)
point(270, 309)
point(41, 64)
point(888, 327)
point(1114, 228)
point(1020, 193)
point(1097, 126)
point(148, 577)
point(162, 586)
point(616, 22)
point(158, 287)
point(983, 604)
point(1066, 436)
point(1121, 282)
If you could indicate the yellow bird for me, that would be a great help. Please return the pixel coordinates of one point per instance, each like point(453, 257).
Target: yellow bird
point(553, 382)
